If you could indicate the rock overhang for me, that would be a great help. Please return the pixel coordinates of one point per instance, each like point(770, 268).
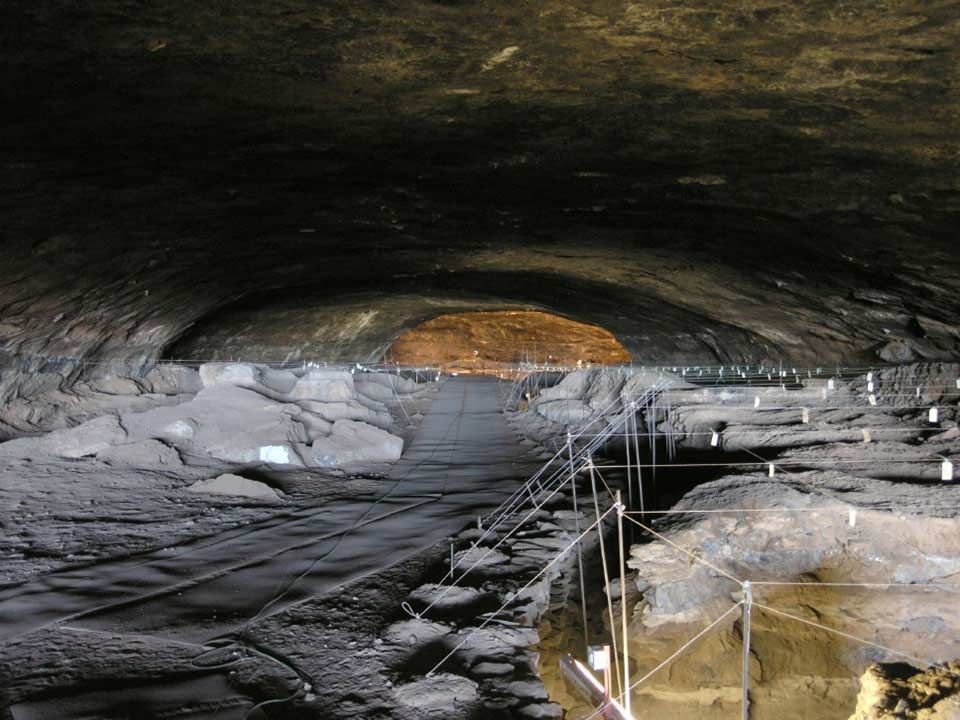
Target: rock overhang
point(740, 180)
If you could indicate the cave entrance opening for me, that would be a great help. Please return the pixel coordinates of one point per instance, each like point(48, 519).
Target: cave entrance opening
point(489, 342)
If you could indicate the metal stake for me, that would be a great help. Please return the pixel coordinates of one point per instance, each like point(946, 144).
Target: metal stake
point(623, 611)
point(576, 515)
point(747, 606)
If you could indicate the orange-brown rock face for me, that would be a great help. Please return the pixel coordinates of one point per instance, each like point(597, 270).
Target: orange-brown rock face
point(487, 341)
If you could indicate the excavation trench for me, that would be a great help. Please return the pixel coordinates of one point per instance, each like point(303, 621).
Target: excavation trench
point(851, 565)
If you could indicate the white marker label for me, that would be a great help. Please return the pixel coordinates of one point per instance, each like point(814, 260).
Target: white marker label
point(756, 401)
point(806, 416)
point(852, 517)
point(714, 439)
point(870, 376)
point(770, 470)
point(866, 436)
point(831, 384)
point(958, 383)
point(934, 415)
point(946, 471)
point(872, 399)
point(870, 386)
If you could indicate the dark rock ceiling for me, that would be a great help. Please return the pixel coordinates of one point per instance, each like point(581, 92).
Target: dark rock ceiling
point(707, 179)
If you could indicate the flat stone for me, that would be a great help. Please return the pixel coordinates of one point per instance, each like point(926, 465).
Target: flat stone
point(443, 692)
point(553, 711)
point(526, 690)
point(492, 669)
point(146, 453)
point(235, 486)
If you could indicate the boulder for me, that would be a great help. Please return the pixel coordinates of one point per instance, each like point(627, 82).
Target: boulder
point(413, 632)
point(392, 383)
point(565, 412)
point(897, 351)
point(87, 439)
point(235, 486)
point(354, 442)
point(240, 374)
point(351, 410)
point(899, 690)
point(172, 380)
point(324, 386)
point(228, 423)
point(572, 387)
point(376, 391)
point(114, 385)
point(440, 694)
point(604, 391)
point(279, 381)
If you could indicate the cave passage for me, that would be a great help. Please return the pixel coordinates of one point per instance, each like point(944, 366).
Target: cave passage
point(487, 342)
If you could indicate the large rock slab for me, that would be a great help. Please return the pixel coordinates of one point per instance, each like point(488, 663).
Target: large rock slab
point(146, 453)
point(353, 442)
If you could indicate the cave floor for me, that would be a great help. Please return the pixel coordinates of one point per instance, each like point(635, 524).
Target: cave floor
point(462, 461)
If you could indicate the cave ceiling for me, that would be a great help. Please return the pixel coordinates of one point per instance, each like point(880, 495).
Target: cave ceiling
point(710, 180)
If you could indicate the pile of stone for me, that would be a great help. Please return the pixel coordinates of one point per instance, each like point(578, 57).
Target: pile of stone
point(495, 671)
point(246, 414)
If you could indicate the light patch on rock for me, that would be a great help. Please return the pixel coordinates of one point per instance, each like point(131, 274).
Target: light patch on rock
point(500, 57)
point(279, 454)
point(702, 180)
point(235, 486)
